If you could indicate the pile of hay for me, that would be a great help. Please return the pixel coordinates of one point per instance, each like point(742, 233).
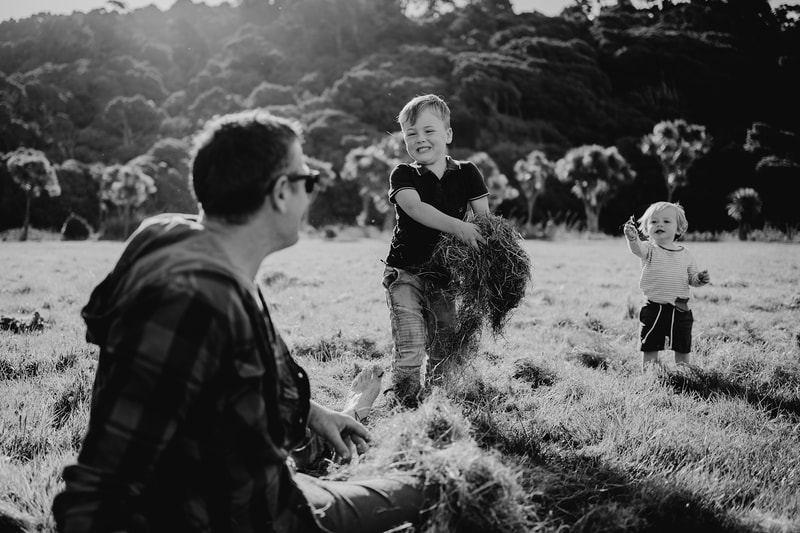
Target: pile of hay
point(466, 488)
point(487, 283)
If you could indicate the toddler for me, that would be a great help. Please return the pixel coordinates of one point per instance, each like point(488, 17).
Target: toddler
point(668, 269)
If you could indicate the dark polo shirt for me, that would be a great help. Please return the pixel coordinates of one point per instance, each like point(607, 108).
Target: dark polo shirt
point(413, 243)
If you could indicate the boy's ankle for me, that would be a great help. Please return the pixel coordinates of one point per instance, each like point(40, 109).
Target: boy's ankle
point(406, 388)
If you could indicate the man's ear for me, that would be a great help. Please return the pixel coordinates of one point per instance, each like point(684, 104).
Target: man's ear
point(449, 137)
point(278, 194)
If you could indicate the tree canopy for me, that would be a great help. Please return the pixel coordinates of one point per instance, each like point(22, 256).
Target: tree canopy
point(105, 87)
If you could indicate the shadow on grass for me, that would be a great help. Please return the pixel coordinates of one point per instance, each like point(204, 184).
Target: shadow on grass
point(582, 494)
point(709, 384)
point(570, 490)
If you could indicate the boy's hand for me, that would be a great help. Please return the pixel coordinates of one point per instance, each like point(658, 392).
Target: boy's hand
point(704, 277)
point(469, 233)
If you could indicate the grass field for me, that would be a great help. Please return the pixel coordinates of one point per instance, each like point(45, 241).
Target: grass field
point(554, 420)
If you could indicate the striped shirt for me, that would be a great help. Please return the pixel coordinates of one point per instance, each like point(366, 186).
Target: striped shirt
point(666, 274)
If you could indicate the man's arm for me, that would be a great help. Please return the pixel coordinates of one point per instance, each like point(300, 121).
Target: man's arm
point(160, 353)
point(426, 214)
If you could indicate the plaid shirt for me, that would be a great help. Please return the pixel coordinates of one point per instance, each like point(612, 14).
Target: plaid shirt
point(196, 405)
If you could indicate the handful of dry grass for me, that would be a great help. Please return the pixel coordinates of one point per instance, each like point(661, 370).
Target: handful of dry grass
point(466, 488)
point(487, 283)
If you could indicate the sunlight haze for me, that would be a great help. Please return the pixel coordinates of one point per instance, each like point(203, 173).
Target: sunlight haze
point(18, 9)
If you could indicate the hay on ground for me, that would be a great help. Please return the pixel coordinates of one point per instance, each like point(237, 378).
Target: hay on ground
point(466, 488)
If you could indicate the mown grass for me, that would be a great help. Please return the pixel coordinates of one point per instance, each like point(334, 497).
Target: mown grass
point(550, 427)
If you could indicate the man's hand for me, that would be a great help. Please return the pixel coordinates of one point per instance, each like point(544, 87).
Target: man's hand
point(340, 430)
point(469, 233)
point(704, 277)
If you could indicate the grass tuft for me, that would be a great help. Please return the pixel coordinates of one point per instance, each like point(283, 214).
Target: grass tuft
point(338, 347)
point(530, 372)
point(72, 400)
point(590, 359)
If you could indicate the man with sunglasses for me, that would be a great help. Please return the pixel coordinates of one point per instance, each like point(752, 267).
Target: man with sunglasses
point(197, 403)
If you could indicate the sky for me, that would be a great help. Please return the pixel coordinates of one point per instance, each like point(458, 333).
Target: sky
point(18, 9)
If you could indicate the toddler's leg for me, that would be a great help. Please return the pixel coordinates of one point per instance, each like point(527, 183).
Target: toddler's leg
point(649, 359)
point(682, 358)
point(405, 299)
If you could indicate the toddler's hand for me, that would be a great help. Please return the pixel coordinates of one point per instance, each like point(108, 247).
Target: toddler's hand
point(704, 277)
point(630, 230)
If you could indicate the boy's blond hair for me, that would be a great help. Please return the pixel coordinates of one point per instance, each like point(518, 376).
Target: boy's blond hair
point(682, 223)
point(415, 106)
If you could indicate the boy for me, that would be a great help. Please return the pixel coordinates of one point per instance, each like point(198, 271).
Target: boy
point(668, 269)
point(431, 195)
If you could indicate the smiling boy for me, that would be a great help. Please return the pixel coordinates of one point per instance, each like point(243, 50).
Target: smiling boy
point(431, 195)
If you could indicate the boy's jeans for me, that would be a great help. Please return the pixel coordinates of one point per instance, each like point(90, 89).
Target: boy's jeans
point(422, 315)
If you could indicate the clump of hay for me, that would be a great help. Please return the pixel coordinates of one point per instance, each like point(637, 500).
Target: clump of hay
point(487, 283)
point(591, 359)
point(466, 488)
point(25, 324)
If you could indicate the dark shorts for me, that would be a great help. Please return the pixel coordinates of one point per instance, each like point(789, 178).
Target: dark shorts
point(664, 327)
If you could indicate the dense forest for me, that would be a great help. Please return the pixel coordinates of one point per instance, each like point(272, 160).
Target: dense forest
point(112, 97)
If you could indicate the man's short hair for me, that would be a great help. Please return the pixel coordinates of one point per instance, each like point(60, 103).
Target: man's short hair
point(237, 158)
point(415, 106)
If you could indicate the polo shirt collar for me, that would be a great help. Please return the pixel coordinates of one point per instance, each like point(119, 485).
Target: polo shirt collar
point(450, 164)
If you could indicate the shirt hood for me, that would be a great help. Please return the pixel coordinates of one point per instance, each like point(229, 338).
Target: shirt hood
point(161, 247)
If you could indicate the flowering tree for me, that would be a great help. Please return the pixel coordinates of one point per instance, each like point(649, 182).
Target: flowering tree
point(496, 182)
point(31, 170)
point(595, 174)
point(532, 173)
point(744, 208)
point(127, 187)
point(677, 145)
point(370, 167)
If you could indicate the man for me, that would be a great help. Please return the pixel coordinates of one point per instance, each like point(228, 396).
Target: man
point(197, 402)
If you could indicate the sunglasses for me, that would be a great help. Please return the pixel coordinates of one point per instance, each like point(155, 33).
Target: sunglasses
point(311, 179)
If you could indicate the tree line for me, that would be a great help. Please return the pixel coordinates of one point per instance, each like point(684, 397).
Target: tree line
point(586, 117)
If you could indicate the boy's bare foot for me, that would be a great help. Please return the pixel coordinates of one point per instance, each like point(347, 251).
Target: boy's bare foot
point(363, 390)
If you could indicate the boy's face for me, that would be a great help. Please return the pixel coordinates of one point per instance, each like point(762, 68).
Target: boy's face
point(662, 227)
point(427, 139)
